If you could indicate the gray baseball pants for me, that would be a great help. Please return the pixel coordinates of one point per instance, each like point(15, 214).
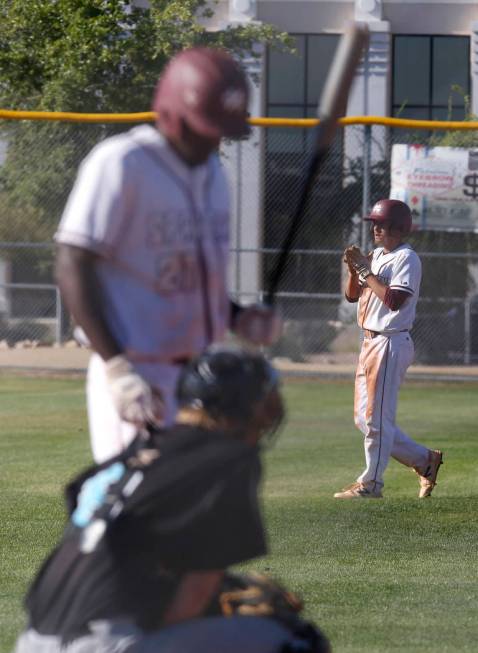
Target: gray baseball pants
point(206, 635)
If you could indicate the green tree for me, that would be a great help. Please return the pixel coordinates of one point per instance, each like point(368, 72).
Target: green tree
point(86, 56)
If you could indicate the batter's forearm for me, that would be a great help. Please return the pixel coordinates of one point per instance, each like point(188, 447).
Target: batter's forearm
point(80, 290)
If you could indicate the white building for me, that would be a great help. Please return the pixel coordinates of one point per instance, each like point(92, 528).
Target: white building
point(416, 49)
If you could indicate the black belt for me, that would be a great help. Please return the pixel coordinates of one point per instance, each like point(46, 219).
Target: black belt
point(368, 333)
point(181, 360)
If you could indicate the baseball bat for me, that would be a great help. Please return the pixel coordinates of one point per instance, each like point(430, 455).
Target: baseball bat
point(332, 105)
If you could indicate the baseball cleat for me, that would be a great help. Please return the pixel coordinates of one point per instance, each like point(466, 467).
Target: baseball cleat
point(358, 491)
point(428, 477)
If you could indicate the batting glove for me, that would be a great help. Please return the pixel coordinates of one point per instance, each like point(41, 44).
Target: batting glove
point(133, 398)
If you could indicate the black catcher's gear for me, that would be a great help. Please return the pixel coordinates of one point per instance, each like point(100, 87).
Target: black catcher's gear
point(231, 383)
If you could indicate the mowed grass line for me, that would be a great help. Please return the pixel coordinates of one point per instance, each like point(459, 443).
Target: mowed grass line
point(393, 575)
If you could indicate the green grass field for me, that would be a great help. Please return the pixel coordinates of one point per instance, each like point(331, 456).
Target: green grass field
point(381, 576)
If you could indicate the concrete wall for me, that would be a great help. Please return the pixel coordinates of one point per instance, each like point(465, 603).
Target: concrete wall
point(431, 17)
point(405, 16)
point(303, 16)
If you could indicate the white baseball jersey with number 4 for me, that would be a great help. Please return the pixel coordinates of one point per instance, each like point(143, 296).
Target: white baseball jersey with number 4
point(400, 269)
point(161, 232)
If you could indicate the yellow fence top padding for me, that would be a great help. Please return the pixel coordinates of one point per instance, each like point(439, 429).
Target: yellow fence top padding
point(69, 116)
point(400, 123)
point(150, 116)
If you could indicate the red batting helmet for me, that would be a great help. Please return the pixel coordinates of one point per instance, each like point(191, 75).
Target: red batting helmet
point(208, 90)
point(395, 212)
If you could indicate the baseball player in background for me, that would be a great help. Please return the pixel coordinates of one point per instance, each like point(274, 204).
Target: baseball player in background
point(386, 285)
point(143, 249)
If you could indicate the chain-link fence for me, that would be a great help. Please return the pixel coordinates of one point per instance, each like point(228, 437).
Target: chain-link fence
point(39, 162)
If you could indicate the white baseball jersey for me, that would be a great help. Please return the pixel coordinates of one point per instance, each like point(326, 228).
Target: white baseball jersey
point(161, 230)
point(400, 269)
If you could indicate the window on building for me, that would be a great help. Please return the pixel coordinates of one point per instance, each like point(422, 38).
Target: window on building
point(294, 85)
point(295, 82)
point(431, 77)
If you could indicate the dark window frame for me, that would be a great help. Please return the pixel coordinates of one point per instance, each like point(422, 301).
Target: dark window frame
point(430, 107)
point(303, 105)
point(285, 168)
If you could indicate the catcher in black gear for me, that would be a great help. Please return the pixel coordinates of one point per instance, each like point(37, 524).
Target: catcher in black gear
point(142, 564)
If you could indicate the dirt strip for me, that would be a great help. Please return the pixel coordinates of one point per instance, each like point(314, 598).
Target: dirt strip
point(73, 360)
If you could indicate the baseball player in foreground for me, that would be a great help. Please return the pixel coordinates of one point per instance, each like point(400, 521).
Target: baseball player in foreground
point(143, 249)
point(141, 565)
point(386, 285)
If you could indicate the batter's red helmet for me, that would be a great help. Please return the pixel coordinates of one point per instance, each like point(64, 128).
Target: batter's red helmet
point(208, 90)
point(395, 212)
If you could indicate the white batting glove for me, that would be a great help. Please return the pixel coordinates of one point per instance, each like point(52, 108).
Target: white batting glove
point(363, 270)
point(259, 324)
point(134, 399)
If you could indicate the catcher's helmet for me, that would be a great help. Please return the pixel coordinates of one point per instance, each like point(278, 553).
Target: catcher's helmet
point(395, 212)
point(234, 384)
point(208, 90)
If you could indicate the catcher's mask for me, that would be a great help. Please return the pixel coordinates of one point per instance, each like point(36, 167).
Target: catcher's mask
point(233, 386)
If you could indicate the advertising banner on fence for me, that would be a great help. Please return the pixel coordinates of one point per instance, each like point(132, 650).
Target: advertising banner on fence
point(440, 184)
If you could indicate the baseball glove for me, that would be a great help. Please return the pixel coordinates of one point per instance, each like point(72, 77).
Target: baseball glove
point(352, 257)
point(357, 263)
point(348, 251)
point(257, 595)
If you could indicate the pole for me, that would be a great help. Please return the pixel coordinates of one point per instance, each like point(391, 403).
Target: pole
point(467, 334)
point(59, 317)
point(367, 155)
point(239, 190)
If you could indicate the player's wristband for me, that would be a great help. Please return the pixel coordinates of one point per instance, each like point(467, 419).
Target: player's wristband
point(364, 271)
